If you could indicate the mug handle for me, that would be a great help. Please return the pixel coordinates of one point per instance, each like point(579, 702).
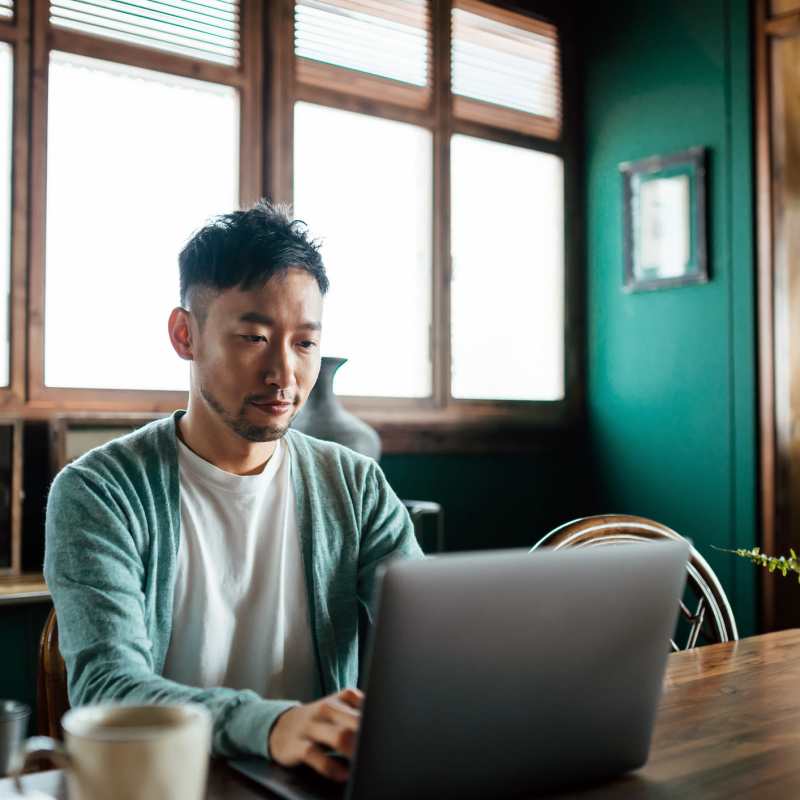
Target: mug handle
point(39, 747)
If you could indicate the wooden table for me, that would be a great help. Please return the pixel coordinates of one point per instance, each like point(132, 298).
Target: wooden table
point(728, 726)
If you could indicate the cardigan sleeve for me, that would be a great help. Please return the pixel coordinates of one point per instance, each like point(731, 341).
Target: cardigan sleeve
point(387, 533)
point(96, 574)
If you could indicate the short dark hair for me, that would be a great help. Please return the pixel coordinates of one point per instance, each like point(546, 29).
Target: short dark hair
point(245, 249)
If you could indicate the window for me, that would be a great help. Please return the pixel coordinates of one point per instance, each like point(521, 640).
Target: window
point(507, 292)
point(146, 119)
point(112, 283)
point(460, 287)
point(423, 142)
point(376, 244)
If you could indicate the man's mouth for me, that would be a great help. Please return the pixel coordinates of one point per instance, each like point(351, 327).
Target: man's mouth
point(274, 408)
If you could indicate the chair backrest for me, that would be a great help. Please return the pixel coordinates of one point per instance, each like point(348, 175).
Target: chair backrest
point(712, 617)
point(52, 701)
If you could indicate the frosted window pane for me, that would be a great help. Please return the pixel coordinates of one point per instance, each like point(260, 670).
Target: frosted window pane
point(6, 100)
point(136, 161)
point(507, 291)
point(364, 187)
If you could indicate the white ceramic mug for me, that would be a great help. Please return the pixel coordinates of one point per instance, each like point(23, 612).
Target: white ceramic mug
point(130, 752)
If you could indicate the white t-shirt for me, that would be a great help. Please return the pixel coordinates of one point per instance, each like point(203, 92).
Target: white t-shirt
point(240, 617)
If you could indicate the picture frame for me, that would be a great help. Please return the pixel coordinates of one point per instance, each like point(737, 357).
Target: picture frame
point(664, 211)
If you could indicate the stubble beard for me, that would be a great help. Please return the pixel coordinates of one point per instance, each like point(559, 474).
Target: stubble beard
point(241, 425)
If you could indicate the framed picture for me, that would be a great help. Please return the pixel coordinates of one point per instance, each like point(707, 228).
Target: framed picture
point(664, 207)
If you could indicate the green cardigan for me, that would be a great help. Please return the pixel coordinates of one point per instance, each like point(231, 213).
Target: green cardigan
point(112, 538)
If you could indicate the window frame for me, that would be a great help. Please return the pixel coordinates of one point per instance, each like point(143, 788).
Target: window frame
point(247, 78)
point(15, 31)
point(268, 91)
point(442, 421)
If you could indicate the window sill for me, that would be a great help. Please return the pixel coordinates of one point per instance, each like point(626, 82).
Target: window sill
point(461, 429)
point(473, 431)
point(22, 589)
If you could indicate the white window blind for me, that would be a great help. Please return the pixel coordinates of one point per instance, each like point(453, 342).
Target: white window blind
point(360, 46)
point(505, 69)
point(201, 29)
point(6, 8)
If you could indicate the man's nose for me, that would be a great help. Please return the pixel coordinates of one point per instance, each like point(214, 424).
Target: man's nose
point(278, 367)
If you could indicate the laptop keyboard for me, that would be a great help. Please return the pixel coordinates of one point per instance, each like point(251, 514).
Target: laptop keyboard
point(299, 783)
point(305, 780)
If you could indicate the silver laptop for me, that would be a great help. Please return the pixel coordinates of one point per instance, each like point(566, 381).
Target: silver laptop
point(505, 673)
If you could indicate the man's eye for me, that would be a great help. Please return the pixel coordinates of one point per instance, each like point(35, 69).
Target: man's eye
point(308, 344)
point(253, 338)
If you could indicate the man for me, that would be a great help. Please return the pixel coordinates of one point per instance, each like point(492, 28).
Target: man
point(218, 556)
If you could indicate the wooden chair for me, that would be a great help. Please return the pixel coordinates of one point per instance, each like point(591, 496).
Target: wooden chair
point(52, 701)
point(712, 617)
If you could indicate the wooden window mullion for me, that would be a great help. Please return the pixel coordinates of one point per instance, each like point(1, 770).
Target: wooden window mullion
point(19, 205)
point(442, 265)
point(251, 138)
point(40, 10)
point(279, 129)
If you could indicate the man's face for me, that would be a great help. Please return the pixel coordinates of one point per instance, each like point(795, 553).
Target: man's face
point(257, 355)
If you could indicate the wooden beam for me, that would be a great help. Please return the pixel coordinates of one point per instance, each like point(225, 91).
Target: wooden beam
point(280, 91)
point(482, 130)
point(20, 208)
point(360, 104)
point(441, 349)
point(784, 25)
point(38, 197)
point(84, 44)
point(361, 84)
point(11, 31)
point(251, 117)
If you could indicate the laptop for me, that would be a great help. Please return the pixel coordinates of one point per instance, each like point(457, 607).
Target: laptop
point(496, 674)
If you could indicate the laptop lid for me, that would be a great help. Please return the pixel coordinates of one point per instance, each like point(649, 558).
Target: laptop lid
point(500, 673)
point(505, 672)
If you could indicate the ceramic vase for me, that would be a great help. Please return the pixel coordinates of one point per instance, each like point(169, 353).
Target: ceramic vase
point(324, 417)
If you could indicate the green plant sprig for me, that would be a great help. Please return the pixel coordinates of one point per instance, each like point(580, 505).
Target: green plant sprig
point(772, 563)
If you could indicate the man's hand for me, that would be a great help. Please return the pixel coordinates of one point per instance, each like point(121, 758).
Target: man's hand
point(303, 734)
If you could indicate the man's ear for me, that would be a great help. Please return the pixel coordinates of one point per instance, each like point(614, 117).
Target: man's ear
point(180, 333)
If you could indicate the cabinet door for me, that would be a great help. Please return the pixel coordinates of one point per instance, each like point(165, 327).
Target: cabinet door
point(10, 496)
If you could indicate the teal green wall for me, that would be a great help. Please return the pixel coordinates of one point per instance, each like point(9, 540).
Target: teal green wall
point(671, 374)
point(20, 628)
point(494, 501)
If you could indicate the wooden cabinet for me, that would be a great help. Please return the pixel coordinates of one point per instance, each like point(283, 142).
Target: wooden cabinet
point(74, 435)
point(10, 498)
point(31, 454)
